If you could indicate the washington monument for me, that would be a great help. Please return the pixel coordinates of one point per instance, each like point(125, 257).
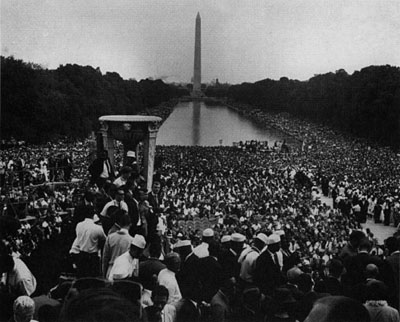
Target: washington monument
point(197, 59)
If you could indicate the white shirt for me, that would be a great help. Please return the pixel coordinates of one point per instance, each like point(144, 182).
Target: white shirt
point(124, 266)
point(21, 280)
point(248, 266)
point(122, 205)
point(88, 236)
point(119, 182)
point(106, 170)
point(201, 250)
point(167, 278)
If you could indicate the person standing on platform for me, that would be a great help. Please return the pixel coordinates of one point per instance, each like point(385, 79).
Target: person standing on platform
point(116, 244)
point(87, 244)
point(101, 170)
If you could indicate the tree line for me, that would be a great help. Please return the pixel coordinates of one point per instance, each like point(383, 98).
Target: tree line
point(39, 104)
point(365, 104)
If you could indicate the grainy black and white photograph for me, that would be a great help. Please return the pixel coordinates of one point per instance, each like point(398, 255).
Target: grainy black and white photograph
point(200, 161)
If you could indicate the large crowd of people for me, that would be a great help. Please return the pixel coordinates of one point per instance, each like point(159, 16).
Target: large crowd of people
point(225, 234)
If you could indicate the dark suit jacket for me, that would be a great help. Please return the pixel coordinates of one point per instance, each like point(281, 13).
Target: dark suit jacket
point(219, 307)
point(355, 266)
point(133, 212)
point(333, 286)
point(187, 277)
point(267, 275)
point(96, 168)
point(229, 264)
point(210, 277)
point(187, 311)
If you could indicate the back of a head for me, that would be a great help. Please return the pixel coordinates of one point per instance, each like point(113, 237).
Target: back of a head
point(355, 237)
point(88, 211)
point(365, 244)
point(371, 271)
point(155, 249)
point(122, 219)
point(391, 244)
point(376, 291)
point(338, 309)
point(335, 267)
point(293, 273)
point(98, 305)
point(304, 282)
point(24, 308)
point(160, 290)
point(173, 261)
point(213, 248)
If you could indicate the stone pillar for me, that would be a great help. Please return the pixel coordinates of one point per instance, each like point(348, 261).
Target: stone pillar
point(149, 153)
point(108, 141)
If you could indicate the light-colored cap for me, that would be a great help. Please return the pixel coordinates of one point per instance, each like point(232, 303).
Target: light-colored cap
point(131, 154)
point(182, 243)
point(273, 239)
point(263, 238)
point(280, 232)
point(139, 241)
point(238, 238)
point(226, 239)
point(208, 232)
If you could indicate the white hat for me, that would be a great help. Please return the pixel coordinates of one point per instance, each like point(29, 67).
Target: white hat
point(263, 238)
point(226, 239)
point(182, 243)
point(273, 239)
point(239, 238)
point(208, 232)
point(131, 154)
point(139, 241)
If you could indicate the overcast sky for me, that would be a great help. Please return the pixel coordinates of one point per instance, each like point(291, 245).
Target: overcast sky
point(242, 40)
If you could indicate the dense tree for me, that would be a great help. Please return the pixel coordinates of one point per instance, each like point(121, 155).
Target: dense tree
point(39, 104)
point(365, 104)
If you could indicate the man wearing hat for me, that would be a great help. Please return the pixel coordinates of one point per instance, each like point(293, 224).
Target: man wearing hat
point(201, 251)
point(228, 258)
point(248, 263)
point(268, 270)
point(127, 265)
point(187, 277)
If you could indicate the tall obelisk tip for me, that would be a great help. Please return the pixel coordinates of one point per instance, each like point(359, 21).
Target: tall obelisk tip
point(198, 15)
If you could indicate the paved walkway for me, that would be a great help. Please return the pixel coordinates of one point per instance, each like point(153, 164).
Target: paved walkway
point(380, 231)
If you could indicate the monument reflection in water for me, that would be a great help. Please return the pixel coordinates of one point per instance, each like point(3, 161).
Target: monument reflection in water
point(195, 123)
